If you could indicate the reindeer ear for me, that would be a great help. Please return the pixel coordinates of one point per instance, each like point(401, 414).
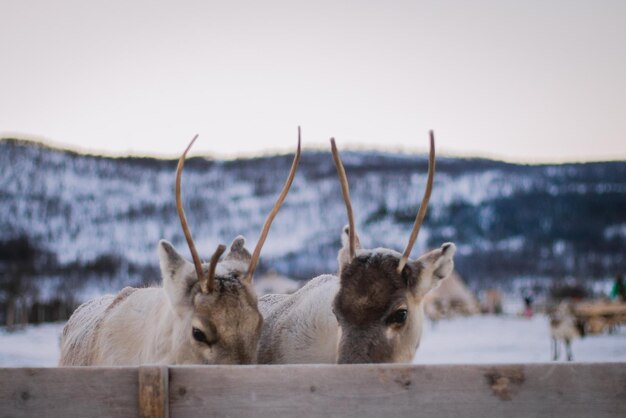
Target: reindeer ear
point(345, 238)
point(445, 262)
point(343, 258)
point(238, 250)
point(238, 257)
point(169, 258)
point(436, 266)
point(178, 274)
point(440, 261)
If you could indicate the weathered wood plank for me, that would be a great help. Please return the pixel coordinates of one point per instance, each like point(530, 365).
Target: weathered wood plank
point(153, 392)
point(554, 389)
point(573, 390)
point(68, 392)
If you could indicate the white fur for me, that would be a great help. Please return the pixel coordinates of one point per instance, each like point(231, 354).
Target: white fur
point(140, 329)
point(143, 326)
point(308, 330)
point(563, 330)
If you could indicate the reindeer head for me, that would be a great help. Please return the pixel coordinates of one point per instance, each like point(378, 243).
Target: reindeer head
point(379, 302)
point(219, 321)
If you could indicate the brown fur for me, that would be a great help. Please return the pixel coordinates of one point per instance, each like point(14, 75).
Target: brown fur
point(346, 318)
point(230, 319)
point(371, 287)
point(371, 291)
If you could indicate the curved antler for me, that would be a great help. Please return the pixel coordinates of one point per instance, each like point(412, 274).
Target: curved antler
point(270, 218)
point(210, 280)
point(345, 191)
point(207, 284)
point(419, 219)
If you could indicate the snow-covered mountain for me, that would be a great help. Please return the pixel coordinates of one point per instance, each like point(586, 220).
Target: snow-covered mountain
point(81, 218)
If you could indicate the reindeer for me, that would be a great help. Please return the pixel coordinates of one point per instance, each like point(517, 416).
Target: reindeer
point(565, 327)
point(205, 313)
point(371, 312)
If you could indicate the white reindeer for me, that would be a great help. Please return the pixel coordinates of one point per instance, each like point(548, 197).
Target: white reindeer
point(370, 313)
point(564, 327)
point(203, 314)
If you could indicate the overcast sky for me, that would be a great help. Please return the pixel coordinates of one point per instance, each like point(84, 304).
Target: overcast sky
point(532, 80)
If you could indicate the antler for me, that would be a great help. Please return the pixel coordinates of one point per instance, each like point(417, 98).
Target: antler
point(207, 284)
point(345, 191)
point(270, 218)
point(210, 280)
point(419, 219)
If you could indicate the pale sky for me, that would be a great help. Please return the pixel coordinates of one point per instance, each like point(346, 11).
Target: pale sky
point(530, 81)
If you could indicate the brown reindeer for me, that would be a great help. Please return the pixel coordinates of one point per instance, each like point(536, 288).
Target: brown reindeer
point(372, 312)
point(205, 313)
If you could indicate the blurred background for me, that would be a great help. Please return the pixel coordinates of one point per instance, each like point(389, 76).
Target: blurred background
point(527, 102)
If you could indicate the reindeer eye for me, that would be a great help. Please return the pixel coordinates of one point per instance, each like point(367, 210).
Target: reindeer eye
point(398, 317)
point(199, 336)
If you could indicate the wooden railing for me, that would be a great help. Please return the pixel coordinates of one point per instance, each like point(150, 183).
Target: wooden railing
point(547, 390)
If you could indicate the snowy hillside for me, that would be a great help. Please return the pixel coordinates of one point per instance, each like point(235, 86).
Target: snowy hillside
point(84, 219)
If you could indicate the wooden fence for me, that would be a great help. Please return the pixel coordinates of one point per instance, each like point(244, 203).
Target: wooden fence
point(524, 390)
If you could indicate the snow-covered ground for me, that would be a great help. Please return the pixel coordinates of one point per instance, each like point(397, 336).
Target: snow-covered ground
point(33, 346)
point(509, 339)
point(479, 339)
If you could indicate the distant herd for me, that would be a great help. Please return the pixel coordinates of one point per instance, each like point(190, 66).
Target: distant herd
point(370, 311)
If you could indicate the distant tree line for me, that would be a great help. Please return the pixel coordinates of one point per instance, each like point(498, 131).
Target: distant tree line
point(35, 287)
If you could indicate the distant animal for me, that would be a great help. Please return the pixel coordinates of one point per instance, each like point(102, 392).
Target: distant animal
point(205, 313)
point(371, 312)
point(451, 298)
point(492, 302)
point(564, 328)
